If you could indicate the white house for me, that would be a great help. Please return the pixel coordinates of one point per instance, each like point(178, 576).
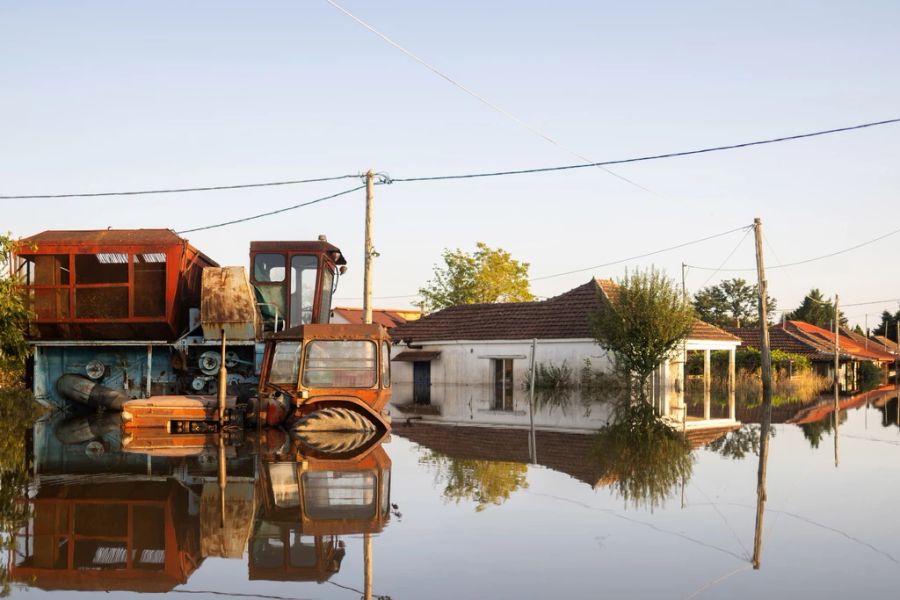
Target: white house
point(488, 347)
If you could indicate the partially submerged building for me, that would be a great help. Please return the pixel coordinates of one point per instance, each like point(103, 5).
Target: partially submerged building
point(818, 345)
point(489, 346)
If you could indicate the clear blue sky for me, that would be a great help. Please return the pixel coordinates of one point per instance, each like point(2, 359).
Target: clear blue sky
point(98, 96)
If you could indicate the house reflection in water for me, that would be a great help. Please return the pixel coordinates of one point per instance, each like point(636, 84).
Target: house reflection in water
point(104, 518)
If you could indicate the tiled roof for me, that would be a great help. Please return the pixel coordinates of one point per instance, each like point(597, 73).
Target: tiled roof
point(383, 316)
point(809, 340)
point(889, 344)
point(136, 237)
point(565, 316)
point(702, 330)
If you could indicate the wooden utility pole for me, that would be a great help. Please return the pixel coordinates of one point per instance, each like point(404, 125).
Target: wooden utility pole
point(837, 375)
point(765, 359)
point(223, 385)
point(532, 438)
point(370, 250)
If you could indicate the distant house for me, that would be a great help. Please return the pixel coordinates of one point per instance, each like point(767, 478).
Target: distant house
point(817, 344)
point(489, 346)
point(389, 317)
point(887, 344)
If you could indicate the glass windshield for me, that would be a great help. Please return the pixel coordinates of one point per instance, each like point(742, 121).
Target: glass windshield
point(268, 268)
point(340, 363)
point(339, 495)
point(285, 488)
point(286, 363)
point(303, 289)
point(325, 298)
point(386, 364)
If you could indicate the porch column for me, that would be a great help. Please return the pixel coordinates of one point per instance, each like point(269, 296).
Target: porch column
point(731, 383)
point(664, 388)
point(707, 383)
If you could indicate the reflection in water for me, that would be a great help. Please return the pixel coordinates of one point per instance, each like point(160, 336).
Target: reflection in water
point(106, 517)
point(484, 482)
point(642, 458)
point(739, 443)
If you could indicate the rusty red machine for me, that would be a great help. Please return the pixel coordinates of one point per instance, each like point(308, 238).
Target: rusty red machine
point(142, 322)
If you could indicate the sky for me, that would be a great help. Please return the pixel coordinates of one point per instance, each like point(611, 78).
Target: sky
point(108, 96)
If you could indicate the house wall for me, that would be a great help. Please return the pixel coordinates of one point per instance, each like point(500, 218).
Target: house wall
point(469, 362)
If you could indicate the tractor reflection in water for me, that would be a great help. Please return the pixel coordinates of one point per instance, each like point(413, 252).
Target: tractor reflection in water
point(307, 500)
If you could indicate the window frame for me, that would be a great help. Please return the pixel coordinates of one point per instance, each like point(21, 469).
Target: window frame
point(304, 365)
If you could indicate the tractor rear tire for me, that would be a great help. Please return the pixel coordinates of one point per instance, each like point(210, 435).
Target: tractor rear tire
point(333, 419)
point(335, 442)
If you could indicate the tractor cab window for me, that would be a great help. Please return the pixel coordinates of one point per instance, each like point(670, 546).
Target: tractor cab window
point(304, 270)
point(326, 293)
point(340, 364)
point(285, 363)
point(268, 276)
point(385, 365)
point(331, 495)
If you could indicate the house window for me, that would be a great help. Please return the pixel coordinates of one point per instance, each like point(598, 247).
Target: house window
point(503, 384)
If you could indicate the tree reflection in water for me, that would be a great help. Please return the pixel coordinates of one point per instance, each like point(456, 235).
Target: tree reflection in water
point(17, 414)
point(482, 481)
point(642, 458)
point(740, 442)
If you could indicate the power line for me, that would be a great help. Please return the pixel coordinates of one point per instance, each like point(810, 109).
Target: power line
point(608, 264)
point(240, 186)
point(809, 260)
point(272, 212)
point(384, 178)
point(727, 258)
point(482, 99)
point(630, 258)
point(623, 161)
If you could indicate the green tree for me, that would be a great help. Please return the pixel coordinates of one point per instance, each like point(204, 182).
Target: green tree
point(888, 326)
point(816, 310)
point(488, 275)
point(13, 316)
point(733, 303)
point(646, 320)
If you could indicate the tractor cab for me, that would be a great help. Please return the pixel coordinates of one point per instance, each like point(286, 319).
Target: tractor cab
point(308, 500)
point(327, 378)
point(294, 281)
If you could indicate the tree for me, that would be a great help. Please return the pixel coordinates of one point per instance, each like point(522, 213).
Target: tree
point(646, 320)
point(888, 326)
point(14, 316)
point(733, 303)
point(815, 310)
point(484, 482)
point(486, 276)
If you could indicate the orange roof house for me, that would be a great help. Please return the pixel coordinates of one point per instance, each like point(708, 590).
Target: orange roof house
point(389, 317)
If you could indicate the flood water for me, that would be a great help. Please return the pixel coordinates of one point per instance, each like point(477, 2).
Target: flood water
point(459, 503)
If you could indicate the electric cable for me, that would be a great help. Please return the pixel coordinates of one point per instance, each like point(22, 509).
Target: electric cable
point(484, 100)
point(240, 186)
point(655, 156)
point(272, 212)
point(808, 260)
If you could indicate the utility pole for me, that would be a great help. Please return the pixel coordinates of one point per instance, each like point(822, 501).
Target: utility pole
point(683, 286)
point(765, 358)
point(867, 331)
point(369, 250)
point(837, 374)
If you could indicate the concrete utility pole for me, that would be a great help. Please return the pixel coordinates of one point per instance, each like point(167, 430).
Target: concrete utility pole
point(369, 250)
point(765, 359)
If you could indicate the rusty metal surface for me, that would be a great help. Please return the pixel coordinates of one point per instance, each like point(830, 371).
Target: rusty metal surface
point(227, 302)
point(373, 331)
point(292, 247)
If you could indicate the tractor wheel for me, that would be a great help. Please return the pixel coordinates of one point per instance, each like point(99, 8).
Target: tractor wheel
point(335, 442)
point(333, 419)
